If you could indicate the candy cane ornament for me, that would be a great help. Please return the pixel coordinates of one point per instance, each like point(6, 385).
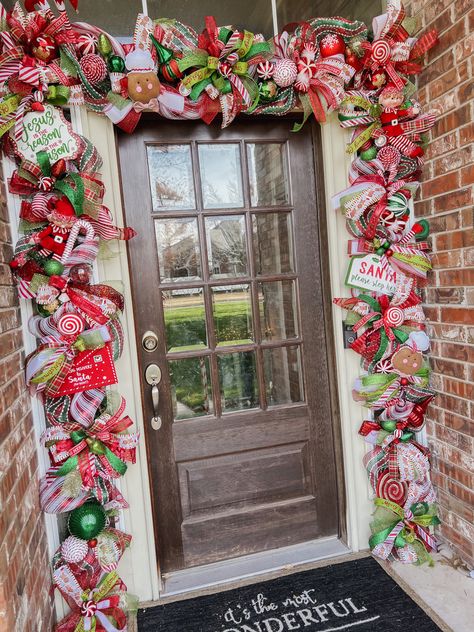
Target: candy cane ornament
point(80, 226)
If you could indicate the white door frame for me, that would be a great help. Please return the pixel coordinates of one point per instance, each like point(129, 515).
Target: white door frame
point(138, 567)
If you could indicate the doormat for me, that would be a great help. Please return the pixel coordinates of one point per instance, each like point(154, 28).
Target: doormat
point(356, 595)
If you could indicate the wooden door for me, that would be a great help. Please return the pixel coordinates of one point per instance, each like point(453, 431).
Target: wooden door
point(226, 271)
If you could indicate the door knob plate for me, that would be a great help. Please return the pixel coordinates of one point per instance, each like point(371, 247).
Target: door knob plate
point(153, 374)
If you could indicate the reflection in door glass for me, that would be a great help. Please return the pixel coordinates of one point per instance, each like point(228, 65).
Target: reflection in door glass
point(191, 388)
point(185, 319)
point(226, 246)
point(238, 381)
point(277, 307)
point(221, 176)
point(283, 375)
point(268, 174)
point(178, 249)
point(232, 312)
point(272, 243)
point(171, 177)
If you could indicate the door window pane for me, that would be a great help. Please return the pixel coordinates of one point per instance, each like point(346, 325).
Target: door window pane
point(283, 375)
point(171, 177)
point(238, 381)
point(254, 15)
point(221, 176)
point(191, 388)
point(272, 243)
point(277, 306)
point(226, 246)
point(232, 311)
point(178, 249)
point(297, 10)
point(185, 319)
point(268, 174)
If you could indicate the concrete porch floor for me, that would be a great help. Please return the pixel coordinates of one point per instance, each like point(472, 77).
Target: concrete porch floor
point(446, 593)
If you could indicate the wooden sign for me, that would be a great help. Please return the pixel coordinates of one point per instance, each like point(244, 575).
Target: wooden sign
point(367, 273)
point(47, 131)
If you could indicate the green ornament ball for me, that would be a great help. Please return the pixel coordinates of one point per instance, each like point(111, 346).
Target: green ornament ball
point(104, 46)
point(369, 154)
point(268, 90)
point(87, 521)
point(380, 251)
point(116, 63)
point(52, 267)
point(389, 425)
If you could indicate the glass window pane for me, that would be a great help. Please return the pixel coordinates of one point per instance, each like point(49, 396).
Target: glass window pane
point(185, 319)
point(178, 249)
point(277, 306)
point(171, 177)
point(283, 375)
point(226, 246)
point(254, 15)
point(232, 311)
point(268, 174)
point(221, 175)
point(297, 10)
point(238, 381)
point(272, 243)
point(191, 388)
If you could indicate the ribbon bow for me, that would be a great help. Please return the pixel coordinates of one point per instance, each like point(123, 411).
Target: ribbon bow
point(101, 605)
point(376, 390)
point(98, 450)
point(223, 58)
point(395, 527)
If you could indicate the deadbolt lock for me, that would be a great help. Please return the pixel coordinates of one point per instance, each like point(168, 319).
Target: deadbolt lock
point(149, 341)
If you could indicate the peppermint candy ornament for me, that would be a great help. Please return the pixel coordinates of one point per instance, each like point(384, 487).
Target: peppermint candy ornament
point(285, 72)
point(380, 51)
point(74, 550)
point(394, 316)
point(94, 68)
point(265, 70)
point(391, 489)
point(71, 325)
point(86, 44)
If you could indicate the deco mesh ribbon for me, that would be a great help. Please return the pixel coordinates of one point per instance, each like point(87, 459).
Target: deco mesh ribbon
point(318, 65)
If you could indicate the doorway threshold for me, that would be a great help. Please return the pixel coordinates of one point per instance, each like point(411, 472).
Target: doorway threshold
point(220, 574)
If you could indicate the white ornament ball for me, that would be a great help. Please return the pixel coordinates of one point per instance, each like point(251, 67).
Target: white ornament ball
point(285, 72)
point(74, 549)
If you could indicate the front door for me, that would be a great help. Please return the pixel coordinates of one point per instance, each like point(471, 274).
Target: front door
point(226, 272)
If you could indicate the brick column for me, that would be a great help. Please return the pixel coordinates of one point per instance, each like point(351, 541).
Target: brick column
point(25, 576)
point(447, 200)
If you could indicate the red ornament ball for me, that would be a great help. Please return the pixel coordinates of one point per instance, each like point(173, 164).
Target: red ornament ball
point(389, 252)
point(92, 543)
point(94, 68)
point(81, 273)
point(404, 381)
point(332, 44)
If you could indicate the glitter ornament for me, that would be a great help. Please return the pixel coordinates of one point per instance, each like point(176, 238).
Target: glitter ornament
point(52, 267)
point(74, 550)
point(265, 70)
point(81, 274)
point(332, 44)
point(285, 72)
point(94, 68)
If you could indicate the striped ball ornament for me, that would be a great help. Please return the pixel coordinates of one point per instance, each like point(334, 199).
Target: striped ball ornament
point(285, 72)
point(94, 68)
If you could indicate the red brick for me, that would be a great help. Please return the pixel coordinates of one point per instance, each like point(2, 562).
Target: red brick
point(464, 276)
point(457, 315)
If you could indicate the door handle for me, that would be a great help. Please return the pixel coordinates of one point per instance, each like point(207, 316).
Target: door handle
point(153, 378)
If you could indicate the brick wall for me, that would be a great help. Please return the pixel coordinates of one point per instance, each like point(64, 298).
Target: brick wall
point(25, 578)
point(447, 200)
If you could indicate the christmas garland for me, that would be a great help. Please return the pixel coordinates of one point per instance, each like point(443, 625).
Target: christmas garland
point(321, 65)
